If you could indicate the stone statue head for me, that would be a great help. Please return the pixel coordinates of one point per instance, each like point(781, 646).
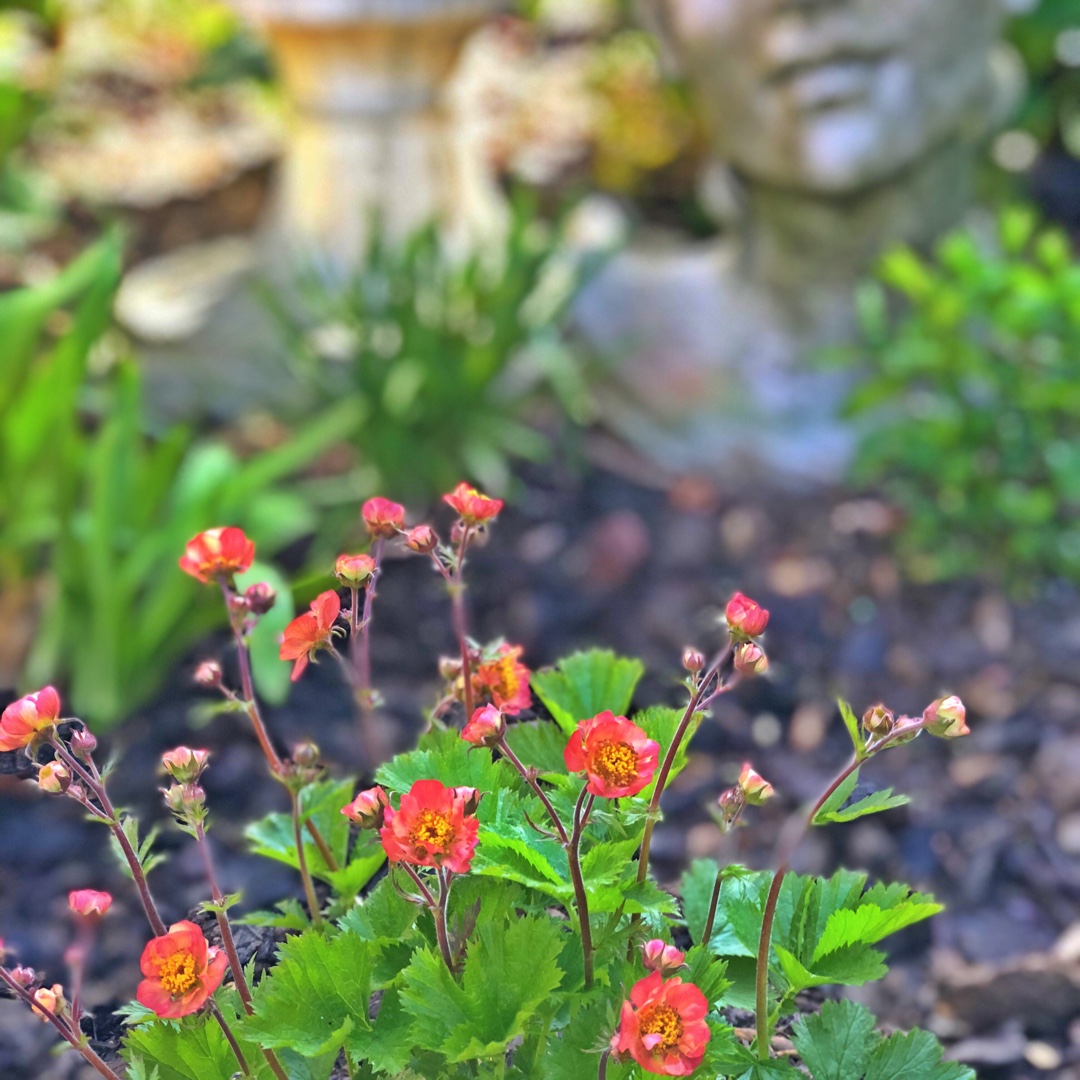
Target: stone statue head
point(834, 96)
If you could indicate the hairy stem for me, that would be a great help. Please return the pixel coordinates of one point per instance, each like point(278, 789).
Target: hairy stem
point(581, 816)
point(457, 600)
point(710, 920)
point(504, 748)
point(438, 912)
point(224, 926)
point(230, 1038)
point(301, 858)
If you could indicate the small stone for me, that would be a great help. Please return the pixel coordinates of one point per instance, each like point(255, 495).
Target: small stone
point(808, 726)
point(1042, 1055)
point(703, 840)
point(766, 730)
point(1068, 834)
point(794, 576)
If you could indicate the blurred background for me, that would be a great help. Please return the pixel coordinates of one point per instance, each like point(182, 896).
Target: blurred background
point(777, 295)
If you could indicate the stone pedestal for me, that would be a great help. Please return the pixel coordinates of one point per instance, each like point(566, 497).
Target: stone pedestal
point(365, 79)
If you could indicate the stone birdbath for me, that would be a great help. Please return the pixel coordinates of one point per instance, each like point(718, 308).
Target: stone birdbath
point(364, 79)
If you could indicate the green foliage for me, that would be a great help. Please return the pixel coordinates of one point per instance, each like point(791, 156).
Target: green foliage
point(834, 810)
point(441, 354)
point(587, 683)
point(970, 403)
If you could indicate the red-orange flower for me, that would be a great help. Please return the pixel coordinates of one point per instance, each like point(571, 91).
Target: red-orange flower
point(746, 616)
point(354, 570)
point(506, 680)
point(616, 755)
point(218, 553)
point(308, 633)
point(368, 808)
point(485, 728)
point(23, 719)
point(89, 902)
point(472, 507)
point(662, 1026)
point(383, 517)
point(431, 828)
point(181, 972)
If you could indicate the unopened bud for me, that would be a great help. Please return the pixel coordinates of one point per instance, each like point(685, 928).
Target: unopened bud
point(368, 808)
point(731, 803)
point(878, 720)
point(946, 718)
point(182, 799)
point(754, 787)
point(185, 765)
point(239, 604)
point(89, 903)
point(449, 667)
point(659, 956)
point(306, 755)
point(49, 1001)
point(470, 798)
point(421, 539)
point(750, 659)
point(745, 617)
point(382, 517)
point(354, 570)
point(54, 778)
point(83, 742)
point(486, 727)
point(693, 660)
point(260, 597)
point(24, 976)
point(208, 673)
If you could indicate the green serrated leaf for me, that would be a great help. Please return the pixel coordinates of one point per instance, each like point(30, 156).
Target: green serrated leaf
point(587, 683)
point(873, 803)
point(443, 756)
point(193, 1050)
point(851, 722)
point(868, 924)
point(660, 723)
point(539, 744)
point(915, 1056)
point(836, 1044)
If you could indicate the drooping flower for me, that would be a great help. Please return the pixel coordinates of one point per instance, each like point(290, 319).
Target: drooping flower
point(745, 616)
point(218, 553)
point(616, 755)
point(185, 765)
point(180, 972)
point(382, 517)
point(354, 570)
point(48, 1001)
point(506, 680)
point(421, 539)
point(308, 633)
point(662, 1026)
point(750, 659)
point(54, 778)
point(431, 828)
point(367, 809)
point(878, 720)
point(754, 787)
point(660, 956)
point(261, 597)
point(23, 719)
point(485, 728)
point(471, 506)
point(946, 718)
point(89, 902)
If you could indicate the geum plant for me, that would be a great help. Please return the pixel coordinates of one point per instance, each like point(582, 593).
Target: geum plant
point(486, 908)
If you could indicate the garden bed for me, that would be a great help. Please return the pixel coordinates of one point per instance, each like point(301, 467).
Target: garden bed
point(644, 566)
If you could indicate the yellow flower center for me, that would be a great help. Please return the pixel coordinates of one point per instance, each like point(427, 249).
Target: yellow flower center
point(505, 683)
point(661, 1020)
point(177, 973)
point(616, 762)
point(432, 831)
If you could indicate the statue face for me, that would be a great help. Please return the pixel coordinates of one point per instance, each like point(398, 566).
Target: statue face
point(835, 95)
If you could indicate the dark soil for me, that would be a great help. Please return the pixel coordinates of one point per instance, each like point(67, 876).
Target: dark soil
point(631, 560)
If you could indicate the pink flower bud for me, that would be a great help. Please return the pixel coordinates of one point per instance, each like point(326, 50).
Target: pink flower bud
point(470, 798)
point(731, 803)
point(745, 617)
point(208, 673)
point(486, 728)
point(946, 718)
point(421, 539)
point(54, 778)
point(449, 667)
point(83, 742)
point(24, 976)
point(383, 517)
point(49, 1001)
point(354, 570)
point(878, 720)
point(756, 789)
point(182, 799)
point(750, 659)
point(306, 755)
point(239, 604)
point(693, 660)
point(368, 808)
point(260, 597)
point(89, 902)
point(185, 765)
point(659, 956)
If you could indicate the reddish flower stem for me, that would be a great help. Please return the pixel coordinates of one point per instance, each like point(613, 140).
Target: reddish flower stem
point(230, 1038)
point(581, 816)
point(710, 920)
point(439, 914)
point(301, 858)
point(504, 748)
point(75, 1039)
point(363, 657)
point(601, 1072)
point(97, 789)
point(461, 625)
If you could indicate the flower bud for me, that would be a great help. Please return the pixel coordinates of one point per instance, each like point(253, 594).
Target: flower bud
point(421, 539)
point(449, 667)
point(659, 956)
point(54, 778)
point(24, 976)
point(306, 755)
point(756, 789)
point(877, 720)
point(185, 765)
point(49, 1001)
point(182, 799)
point(354, 570)
point(946, 718)
point(83, 742)
point(382, 517)
point(368, 808)
point(260, 597)
point(731, 803)
point(486, 728)
point(208, 673)
point(238, 604)
point(745, 617)
point(89, 902)
point(750, 659)
point(470, 797)
point(693, 660)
